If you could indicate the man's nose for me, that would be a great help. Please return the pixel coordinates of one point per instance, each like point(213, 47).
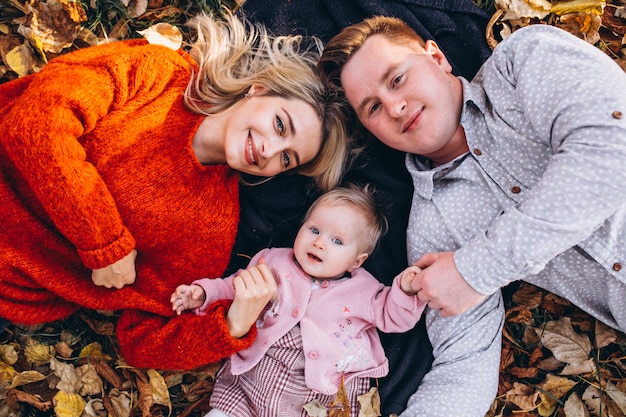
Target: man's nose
point(395, 106)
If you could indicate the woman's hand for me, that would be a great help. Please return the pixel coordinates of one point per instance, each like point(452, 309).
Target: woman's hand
point(254, 288)
point(118, 274)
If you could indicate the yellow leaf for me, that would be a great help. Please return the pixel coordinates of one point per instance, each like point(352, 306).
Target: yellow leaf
point(553, 388)
point(7, 374)
point(578, 6)
point(370, 403)
point(94, 351)
point(163, 34)
point(20, 59)
point(160, 394)
point(8, 354)
point(67, 404)
point(26, 377)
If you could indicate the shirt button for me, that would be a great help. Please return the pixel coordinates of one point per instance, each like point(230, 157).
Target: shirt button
point(478, 151)
point(617, 114)
point(325, 284)
point(295, 312)
point(617, 267)
point(516, 190)
point(313, 355)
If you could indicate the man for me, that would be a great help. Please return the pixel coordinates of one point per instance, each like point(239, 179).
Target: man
point(519, 174)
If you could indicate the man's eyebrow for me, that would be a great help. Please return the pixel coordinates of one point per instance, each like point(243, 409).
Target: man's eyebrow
point(292, 128)
point(381, 80)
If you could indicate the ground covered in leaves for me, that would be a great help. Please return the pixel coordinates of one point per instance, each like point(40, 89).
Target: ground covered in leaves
point(556, 360)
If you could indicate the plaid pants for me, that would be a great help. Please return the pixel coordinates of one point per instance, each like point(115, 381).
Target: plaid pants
point(275, 387)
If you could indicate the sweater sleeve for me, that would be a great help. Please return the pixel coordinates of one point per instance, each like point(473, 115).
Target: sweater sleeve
point(393, 311)
point(46, 129)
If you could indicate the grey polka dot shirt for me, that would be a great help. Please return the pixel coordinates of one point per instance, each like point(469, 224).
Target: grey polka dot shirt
point(540, 197)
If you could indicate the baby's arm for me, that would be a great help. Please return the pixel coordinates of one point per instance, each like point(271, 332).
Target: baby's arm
point(408, 276)
point(187, 297)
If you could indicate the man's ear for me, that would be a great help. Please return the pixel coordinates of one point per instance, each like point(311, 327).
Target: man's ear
point(358, 262)
point(432, 49)
point(256, 89)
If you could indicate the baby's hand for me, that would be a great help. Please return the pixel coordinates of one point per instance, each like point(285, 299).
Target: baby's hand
point(408, 275)
point(187, 297)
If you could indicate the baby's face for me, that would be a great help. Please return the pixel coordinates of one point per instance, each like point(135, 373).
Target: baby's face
point(331, 241)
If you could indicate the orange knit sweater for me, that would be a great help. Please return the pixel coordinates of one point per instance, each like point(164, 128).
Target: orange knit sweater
point(96, 160)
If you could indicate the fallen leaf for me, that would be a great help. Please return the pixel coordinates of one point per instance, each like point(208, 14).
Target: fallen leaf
point(68, 404)
point(69, 380)
point(527, 296)
point(20, 59)
point(163, 34)
point(604, 335)
point(315, 409)
point(523, 396)
point(369, 403)
point(340, 407)
point(574, 407)
point(565, 344)
point(160, 394)
point(8, 354)
point(26, 377)
point(553, 388)
point(90, 382)
point(17, 395)
point(616, 395)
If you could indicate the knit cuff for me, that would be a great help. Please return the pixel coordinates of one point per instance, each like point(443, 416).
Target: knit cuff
point(218, 310)
point(107, 255)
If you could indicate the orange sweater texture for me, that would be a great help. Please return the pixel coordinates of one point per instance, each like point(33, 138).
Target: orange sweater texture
point(96, 160)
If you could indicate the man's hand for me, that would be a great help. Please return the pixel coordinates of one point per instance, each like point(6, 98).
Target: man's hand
point(118, 274)
point(442, 286)
point(254, 288)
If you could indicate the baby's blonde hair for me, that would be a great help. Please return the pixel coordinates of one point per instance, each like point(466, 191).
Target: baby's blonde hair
point(233, 54)
point(362, 198)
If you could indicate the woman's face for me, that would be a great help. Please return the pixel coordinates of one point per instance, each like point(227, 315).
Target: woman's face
point(267, 135)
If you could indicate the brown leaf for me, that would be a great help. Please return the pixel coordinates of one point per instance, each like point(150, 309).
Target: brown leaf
point(108, 373)
point(528, 296)
point(553, 388)
point(340, 407)
point(523, 396)
point(54, 24)
point(16, 395)
point(369, 403)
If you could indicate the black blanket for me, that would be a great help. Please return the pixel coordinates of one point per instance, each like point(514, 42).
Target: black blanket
point(272, 211)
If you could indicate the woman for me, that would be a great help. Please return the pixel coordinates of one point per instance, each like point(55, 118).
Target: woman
point(118, 162)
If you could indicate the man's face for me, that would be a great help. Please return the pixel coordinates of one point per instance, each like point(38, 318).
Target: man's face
point(405, 95)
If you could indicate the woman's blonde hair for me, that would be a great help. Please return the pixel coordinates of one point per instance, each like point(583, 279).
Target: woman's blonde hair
point(233, 54)
point(363, 199)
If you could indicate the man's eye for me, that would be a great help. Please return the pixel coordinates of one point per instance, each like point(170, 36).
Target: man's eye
point(280, 126)
point(374, 107)
point(337, 241)
point(286, 159)
point(396, 81)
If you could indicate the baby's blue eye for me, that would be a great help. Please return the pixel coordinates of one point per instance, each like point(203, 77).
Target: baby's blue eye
point(337, 241)
point(315, 231)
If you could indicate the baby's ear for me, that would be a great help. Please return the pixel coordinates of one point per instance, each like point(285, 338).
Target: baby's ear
point(358, 261)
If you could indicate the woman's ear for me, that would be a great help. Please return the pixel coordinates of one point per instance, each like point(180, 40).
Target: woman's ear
point(256, 89)
point(358, 262)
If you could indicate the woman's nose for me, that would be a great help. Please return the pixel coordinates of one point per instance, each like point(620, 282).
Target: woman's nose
point(270, 147)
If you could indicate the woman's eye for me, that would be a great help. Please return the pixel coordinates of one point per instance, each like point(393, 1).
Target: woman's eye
point(396, 81)
point(337, 241)
point(286, 159)
point(280, 125)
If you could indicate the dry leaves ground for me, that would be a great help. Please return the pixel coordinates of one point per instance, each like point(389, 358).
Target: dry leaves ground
point(556, 360)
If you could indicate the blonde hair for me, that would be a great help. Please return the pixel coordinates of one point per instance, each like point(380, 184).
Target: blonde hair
point(363, 199)
point(346, 43)
point(233, 54)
